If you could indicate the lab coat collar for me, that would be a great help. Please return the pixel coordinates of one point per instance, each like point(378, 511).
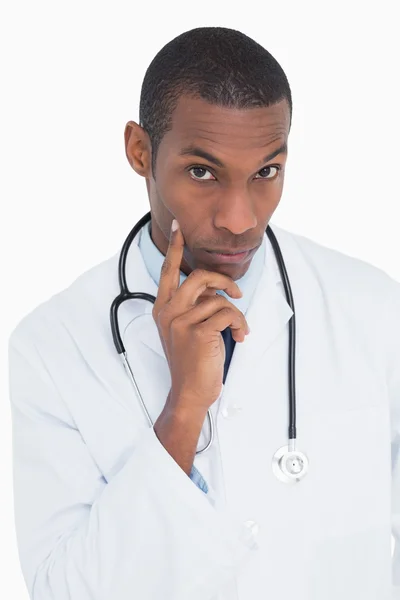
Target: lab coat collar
point(267, 314)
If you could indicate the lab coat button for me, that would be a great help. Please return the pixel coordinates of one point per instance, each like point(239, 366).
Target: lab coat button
point(253, 527)
point(250, 533)
point(231, 411)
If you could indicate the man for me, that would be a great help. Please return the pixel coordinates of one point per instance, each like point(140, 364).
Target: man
point(109, 507)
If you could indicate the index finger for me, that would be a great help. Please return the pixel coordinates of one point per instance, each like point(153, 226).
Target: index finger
point(170, 270)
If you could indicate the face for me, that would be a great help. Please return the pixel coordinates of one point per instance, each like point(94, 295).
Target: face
point(220, 173)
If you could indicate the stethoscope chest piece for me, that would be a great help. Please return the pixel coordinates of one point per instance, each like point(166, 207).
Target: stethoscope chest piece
point(289, 466)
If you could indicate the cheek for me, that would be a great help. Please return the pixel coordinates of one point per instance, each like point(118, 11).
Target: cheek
point(172, 205)
point(191, 212)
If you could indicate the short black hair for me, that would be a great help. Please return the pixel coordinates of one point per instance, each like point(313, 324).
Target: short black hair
point(222, 66)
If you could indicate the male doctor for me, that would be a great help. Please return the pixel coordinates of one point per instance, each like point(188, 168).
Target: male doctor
point(110, 508)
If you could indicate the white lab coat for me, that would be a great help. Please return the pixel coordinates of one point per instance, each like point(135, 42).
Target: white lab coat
point(104, 512)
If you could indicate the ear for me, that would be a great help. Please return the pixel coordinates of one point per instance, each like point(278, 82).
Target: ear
point(138, 149)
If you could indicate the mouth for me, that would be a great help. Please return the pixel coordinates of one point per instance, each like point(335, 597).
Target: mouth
point(229, 257)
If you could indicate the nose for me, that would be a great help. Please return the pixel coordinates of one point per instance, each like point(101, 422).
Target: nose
point(235, 213)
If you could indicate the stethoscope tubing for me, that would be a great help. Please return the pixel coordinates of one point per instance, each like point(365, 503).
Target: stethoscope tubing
point(125, 294)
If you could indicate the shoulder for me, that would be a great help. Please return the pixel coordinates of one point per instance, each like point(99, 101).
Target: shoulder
point(345, 274)
point(84, 299)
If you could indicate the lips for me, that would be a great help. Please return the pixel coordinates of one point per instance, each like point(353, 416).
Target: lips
point(236, 258)
point(227, 252)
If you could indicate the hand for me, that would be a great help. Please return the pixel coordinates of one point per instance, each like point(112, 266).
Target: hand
point(190, 319)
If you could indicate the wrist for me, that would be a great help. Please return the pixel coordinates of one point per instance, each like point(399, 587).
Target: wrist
point(182, 411)
point(178, 428)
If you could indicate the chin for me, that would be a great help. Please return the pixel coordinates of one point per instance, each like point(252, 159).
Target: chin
point(233, 271)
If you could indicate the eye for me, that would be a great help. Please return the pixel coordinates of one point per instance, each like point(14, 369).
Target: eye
point(196, 178)
point(268, 169)
point(202, 170)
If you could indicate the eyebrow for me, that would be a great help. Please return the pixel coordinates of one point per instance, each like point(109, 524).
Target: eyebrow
point(196, 151)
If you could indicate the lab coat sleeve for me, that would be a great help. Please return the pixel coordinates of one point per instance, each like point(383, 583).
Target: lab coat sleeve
point(147, 533)
point(394, 390)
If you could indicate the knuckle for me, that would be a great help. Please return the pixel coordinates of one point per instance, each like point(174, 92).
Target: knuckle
point(219, 301)
point(228, 311)
point(176, 324)
point(241, 318)
point(163, 316)
point(197, 274)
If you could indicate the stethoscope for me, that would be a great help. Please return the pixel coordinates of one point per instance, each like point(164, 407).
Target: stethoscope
point(288, 464)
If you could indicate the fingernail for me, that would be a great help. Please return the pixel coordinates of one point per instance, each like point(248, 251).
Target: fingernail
point(174, 225)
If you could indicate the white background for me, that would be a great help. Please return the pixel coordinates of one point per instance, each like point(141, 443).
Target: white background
point(71, 79)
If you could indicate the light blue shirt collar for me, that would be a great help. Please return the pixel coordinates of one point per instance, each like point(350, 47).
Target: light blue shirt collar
point(154, 259)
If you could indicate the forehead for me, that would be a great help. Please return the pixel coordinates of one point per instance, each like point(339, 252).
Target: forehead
point(195, 120)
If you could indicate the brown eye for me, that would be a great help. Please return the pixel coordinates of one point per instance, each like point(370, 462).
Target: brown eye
point(267, 169)
point(199, 172)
